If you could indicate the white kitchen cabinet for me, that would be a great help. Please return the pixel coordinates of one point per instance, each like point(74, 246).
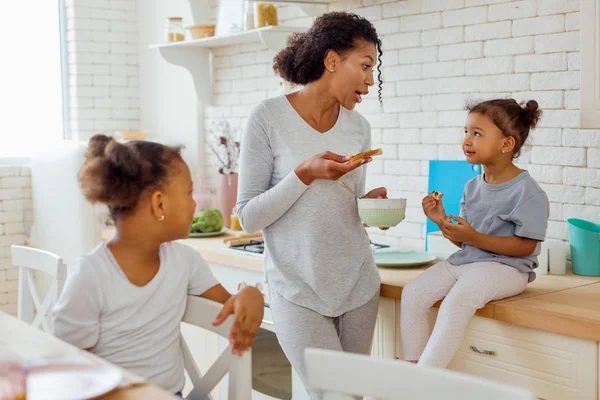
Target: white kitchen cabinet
point(590, 64)
point(384, 339)
point(384, 343)
point(554, 366)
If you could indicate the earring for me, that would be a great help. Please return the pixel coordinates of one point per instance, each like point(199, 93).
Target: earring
point(162, 217)
point(502, 153)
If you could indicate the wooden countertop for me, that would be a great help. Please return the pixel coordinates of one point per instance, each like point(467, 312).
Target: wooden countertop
point(566, 304)
point(571, 312)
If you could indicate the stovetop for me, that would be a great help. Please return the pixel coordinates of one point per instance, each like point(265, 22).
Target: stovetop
point(257, 247)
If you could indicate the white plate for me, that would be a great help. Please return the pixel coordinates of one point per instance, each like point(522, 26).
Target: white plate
point(391, 250)
point(209, 234)
point(72, 384)
point(402, 258)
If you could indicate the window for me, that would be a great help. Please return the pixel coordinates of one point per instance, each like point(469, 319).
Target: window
point(31, 78)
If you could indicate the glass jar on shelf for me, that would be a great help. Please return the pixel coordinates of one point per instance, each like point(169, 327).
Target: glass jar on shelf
point(248, 15)
point(174, 30)
point(265, 14)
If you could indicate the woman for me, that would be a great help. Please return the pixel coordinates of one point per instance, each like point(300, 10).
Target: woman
point(323, 282)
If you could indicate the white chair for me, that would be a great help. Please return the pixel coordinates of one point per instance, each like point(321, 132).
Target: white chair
point(342, 376)
point(202, 312)
point(29, 308)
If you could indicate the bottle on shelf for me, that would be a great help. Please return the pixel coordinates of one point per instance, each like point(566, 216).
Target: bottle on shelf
point(174, 30)
point(248, 15)
point(265, 14)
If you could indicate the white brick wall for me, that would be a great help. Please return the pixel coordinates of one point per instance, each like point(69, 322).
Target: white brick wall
point(442, 36)
point(538, 25)
point(438, 55)
point(15, 199)
point(103, 67)
point(103, 97)
point(538, 63)
point(247, 70)
point(495, 30)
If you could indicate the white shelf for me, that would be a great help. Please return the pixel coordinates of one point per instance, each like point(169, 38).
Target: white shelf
point(194, 55)
point(299, 2)
point(266, 34)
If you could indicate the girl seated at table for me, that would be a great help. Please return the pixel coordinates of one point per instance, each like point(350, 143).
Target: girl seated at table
point(124, 300)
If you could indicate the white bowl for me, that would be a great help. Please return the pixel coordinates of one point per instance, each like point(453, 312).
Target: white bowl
point(381, 212)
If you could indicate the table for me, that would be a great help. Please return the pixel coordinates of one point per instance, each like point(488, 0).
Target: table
point(26, 342)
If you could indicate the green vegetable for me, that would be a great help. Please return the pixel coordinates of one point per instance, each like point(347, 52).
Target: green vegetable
point(208, 220)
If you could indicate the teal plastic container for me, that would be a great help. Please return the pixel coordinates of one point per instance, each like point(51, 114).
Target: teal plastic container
point(585, 247)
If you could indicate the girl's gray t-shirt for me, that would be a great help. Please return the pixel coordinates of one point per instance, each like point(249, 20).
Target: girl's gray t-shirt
point(518, 207)
point(318, 254)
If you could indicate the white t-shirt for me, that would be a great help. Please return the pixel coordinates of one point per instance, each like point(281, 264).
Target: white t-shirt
point(137, 328)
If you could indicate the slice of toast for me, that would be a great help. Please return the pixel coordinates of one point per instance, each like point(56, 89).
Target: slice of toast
point(366, 154)
point(437, 195)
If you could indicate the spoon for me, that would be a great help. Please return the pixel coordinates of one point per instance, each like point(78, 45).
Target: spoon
point(342, 184)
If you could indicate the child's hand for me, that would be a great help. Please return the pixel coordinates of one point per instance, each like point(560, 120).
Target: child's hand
point(247, 308)
point(434, 209)
point(462, 231)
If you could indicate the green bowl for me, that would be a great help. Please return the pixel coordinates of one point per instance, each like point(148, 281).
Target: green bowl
point(381, 213)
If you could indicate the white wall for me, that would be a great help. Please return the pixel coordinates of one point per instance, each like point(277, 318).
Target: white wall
point(15, 198)
point(445, 52)
point(439, 54)
point(169, 106)
point(102, 53)
point(168, 103)
point(103, 72)
point(106, 60)
point(243, 76)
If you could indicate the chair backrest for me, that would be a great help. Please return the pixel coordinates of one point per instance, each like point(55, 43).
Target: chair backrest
point(450, 178)
point(342, 376)
point(30, 308)
point(202, 312)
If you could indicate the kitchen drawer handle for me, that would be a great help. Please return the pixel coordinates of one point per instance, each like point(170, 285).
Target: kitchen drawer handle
point(479, 351)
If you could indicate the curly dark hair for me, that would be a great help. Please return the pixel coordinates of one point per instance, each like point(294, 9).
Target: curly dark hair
point(301, 62)
point(512, 118)
point(117, 174)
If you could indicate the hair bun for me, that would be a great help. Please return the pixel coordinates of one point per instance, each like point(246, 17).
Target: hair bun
point(531, 106)
point(117, 174)
point(531, 113)
point(286, 64)
point(97, 145)
point(124, 158)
